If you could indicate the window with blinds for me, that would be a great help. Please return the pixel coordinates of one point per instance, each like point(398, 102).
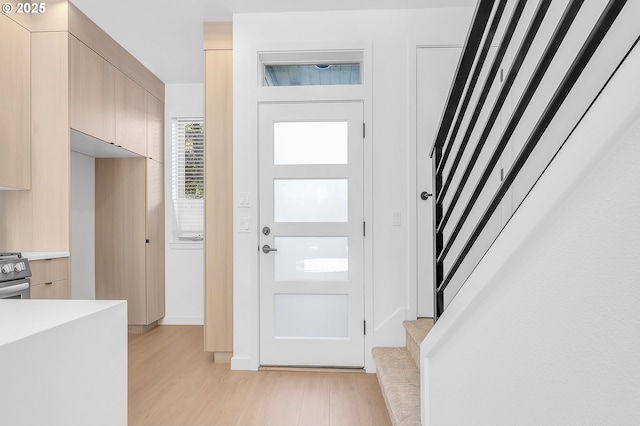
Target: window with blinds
point(188, 178)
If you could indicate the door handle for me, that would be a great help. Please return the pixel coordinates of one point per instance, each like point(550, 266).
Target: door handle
point(425, 195)
point(266, 249)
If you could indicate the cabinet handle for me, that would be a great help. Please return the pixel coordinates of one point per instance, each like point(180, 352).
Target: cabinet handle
point(48, 283)
point(147, 241)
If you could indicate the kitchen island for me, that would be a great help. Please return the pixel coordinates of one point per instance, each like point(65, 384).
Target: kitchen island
point(63, 362)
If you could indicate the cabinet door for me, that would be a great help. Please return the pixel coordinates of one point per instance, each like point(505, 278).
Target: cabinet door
point(120, 233)
point(49, 270)
point(155, 129)
point(92, 87)
point(50, 279)
point(15, 105)
point(155, 244)
point(131, 115)
point(51, 290)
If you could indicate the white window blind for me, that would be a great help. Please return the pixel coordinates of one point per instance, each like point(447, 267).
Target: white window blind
point(188, 178)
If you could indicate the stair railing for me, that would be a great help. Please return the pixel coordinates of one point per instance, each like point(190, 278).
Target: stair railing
point(468, 154)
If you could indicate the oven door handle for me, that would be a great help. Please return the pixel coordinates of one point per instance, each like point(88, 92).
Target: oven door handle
point(14, 288)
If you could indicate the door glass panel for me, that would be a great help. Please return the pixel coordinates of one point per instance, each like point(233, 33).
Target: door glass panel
point(320, 142)
point(311, 259)
point(311, 75)
point(311, 200)
point(311, 315)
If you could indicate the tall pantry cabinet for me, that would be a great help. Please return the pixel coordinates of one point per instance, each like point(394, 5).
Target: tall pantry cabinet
point(130, 236)
point(15, 102)
point(218, 246)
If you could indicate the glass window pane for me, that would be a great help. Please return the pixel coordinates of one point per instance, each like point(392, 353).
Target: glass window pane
point(310, 143)
point(311, 75)
point(311, 259)
point(311, 200)
point(311, 315)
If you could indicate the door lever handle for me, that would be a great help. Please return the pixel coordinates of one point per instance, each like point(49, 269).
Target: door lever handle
point(266, 249)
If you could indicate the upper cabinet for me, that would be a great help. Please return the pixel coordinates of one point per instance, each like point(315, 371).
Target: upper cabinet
point(131, 115)
point(93, 90)
point(15, 105)
point(109, 105)
point(155, 129)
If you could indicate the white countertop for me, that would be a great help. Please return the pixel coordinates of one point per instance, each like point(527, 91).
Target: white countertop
point(23, 318)
point(64, 362)
point(40, 255)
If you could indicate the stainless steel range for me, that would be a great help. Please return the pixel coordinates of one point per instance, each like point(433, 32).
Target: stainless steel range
point(14, 276)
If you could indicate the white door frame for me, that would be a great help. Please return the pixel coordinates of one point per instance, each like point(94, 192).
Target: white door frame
point(247, 355)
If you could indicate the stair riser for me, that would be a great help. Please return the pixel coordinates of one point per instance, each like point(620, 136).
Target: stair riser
point(414, 349)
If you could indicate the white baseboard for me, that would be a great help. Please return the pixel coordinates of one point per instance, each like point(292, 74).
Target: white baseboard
point(243, 363)
point(181, 321)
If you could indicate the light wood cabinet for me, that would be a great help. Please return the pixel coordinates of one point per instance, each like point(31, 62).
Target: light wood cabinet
point(155, 129)
point(38, 220)
point(68, 74)
point(110, 106)
point(92, 92)
point(155, 241)
point(15, 104)
point(130, 235)
point(218, 244)
point(50, 279)
point(52, 290)
point(131, 115)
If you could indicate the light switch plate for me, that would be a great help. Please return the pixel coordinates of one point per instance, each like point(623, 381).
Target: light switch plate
point(243, 200)
point(244, 225)
point(397, 218)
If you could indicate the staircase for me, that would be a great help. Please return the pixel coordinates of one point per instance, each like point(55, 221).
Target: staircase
point(398, 371)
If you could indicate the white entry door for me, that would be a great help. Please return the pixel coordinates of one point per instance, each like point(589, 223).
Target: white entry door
point(311, 234)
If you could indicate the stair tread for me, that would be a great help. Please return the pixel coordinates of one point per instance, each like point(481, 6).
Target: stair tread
point(418, 329)
point(399, 379)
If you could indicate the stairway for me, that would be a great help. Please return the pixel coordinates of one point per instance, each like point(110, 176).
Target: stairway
point(398, 372)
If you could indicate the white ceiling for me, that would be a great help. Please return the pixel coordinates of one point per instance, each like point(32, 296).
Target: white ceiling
point(166, 35)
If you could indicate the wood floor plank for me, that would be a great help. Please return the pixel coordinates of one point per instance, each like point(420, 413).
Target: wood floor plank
point(315, 410)
point(172, 381)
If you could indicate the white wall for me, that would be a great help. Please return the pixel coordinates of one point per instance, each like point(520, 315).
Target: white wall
point(388, 33)
point(546, 329)
point(83, 264)
point(184, 261)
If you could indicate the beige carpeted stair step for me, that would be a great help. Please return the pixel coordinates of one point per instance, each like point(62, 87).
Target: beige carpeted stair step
point(398, 371)
point(416, 332)
point(399, 379)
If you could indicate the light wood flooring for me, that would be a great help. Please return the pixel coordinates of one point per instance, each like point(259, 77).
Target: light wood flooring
point(173, 382)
